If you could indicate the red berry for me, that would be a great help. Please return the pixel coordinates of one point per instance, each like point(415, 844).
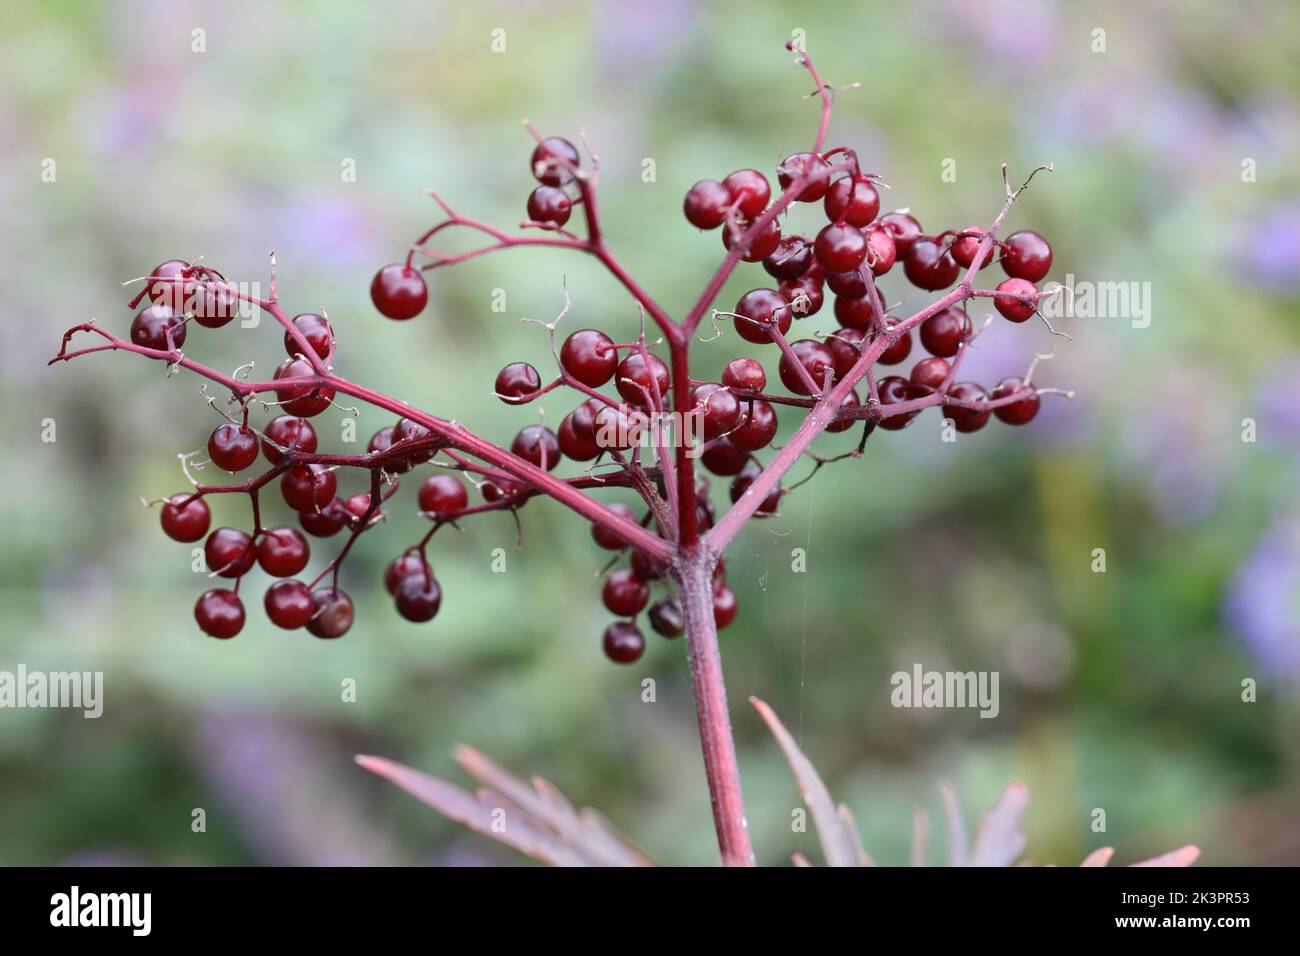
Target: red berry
point(758, 248)
point(537, 444)
point(725, 459)
point(150, 326)
point(847, 285)
point(800, 164)
point(724, 606)
point(804, 295)
point(904, 229)
point(930, 372)
point(358, 506)
point(402, 567)
point(304, 400)
point(220, 613)
point(901, 348)
point(852, 199)
point(855, 313)
point(639, 381)
point(813, 356)
point(229, 553)
point(791, 258)
point(893, 390)
point(516, 382)
point(745, 373)
point(882, 251)
point(398, 291)
point(282, 552)
point(646, 567)
point(169, 284)
point(232, 447)
point(666, 617)
point(967, 419)
point(572, 446)
point(928, 265)
point(625, 594)
point(741, 485)
point(590, 357)
point(407, 432)
point(549, 205)
point(750, 188)
point(213, 306)
point(316, 330)
point(846, 349)
point(717, 408)
point(758, 310)
point(757, 427)
point(498, 489)
point(287, 432)
point(851, 400)
point(288, 604)
point(418, 597)
point(182, 521)
point(1015, 309)
point(943, 332)
point(549, 161)
point(707, 203)
point(308, 487)
point(840, 247)
point(441, 494)
point(325, 523)
point(965, 246)
point(623, 643)
point(1026, 255)
point(606, 538)
point(332, 613)
point(1019, 412)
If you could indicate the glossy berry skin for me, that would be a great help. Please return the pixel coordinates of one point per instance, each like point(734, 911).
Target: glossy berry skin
point(760, 309)
point(302, 400)
point(846, 349)
point(316, 330)
point(325, 523)
point(288, 431)
point(746, 373)
point(571, 445)
point(666, 618)
point(904, 229)
point(169, 284)
point(219, 613)
point(804, 295)
point(943, 332)
point(882, 251)
point(185, 522)
point(791, 258)
point(283, 552)
point(358, 507)
point(623, 643)
point(800, 164)
point(624, 594)
point(232, 447)
point(549, 205)
point(150, 325)
point(213, 307)
point(288, 604)
point(639, 382)
point(899, 351)
point(399, 292)
point(706, 204)
point(517, 382)
point(308, 487)
point(840, 247)
point(537, 444)
point(606, 538)
point(618, 427)
point(718, 409)
point(332, 613)
point(724, 606)
point(442, 494)
point(967, 419)
point(741, 485)
point(751, 190)
point(757, 426)
point(1026, 255)
point(758, 248)
point(402, 567)
point(1020, 412)
point(725, 459)
point(930, 372)
point(646, 567)
point(1013, 309)
point(813, 356)
point(407, 432)
point(229, 553)
point(852, 199)
point(847, 285)
point(851, 400)
point(893, 390)
point(928, 265)
point(498, 489)
point(966, 244)
point(418, 597)
point(855, 313)
point(548, 161)
point(590, 357)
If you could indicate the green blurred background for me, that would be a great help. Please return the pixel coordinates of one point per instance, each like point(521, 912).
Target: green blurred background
point(1119, 691)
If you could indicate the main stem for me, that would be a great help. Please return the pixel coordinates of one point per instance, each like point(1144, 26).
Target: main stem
point(694, 573)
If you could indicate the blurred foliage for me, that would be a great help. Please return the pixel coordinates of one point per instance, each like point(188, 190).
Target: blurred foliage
point(1119, 690)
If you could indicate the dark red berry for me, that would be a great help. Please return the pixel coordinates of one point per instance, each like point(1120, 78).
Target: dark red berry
point(549, 205)
point(750, 189)
point(232, 447)
point(288, 604)
point(283, 552)
point(332, 612)
point(850, 400)
point(1013, 308)
point(847, 285)
point(590, 357)
point(537, 444)
point(305, 400)
point(402, 567)
point(930, 372)
point(623, 643)
point(287, 432)
point(213, 306)
point(724, 459)
point(741, 485)
point(229, 553)
point(706, 204)
point(646, 567)
point(757, 311)
point(882, 251)
point(840, 247)
point(904, 229)
point(316, 330)
point(441, 494)
point(901, 348)
point(791, 258)
point(852, 199)
point(308, 487)
point(398, 291)
point(967, 419)
point(418, 597)
point(359, 506)
point(846, 349)
point(724, 606)
point(517, 382)
point(813, 356)
point(639, 381)
point(666, 617)
point(407, 432)
point(966, 244)
point(608, 539)
point(169, 284)
point(894, 390)
point(220, 613)
point(746, 373)
point(1026, 255)
point(572, 446)
point(855, 313)
point(498, 489)
point(150, 326)
point(801, 164)
point(805, 295)
point(1019, 412)
point(757, 248)
point(185, 518)
point(928, 265)
point(717, 408)
point(943, 332)
point(757, 427)
point(325, 523)
point(625, 594)
point(552, 159)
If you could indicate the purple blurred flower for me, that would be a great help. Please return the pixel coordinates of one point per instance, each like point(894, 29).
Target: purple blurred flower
point(1263, 602)
point(1268, 248)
